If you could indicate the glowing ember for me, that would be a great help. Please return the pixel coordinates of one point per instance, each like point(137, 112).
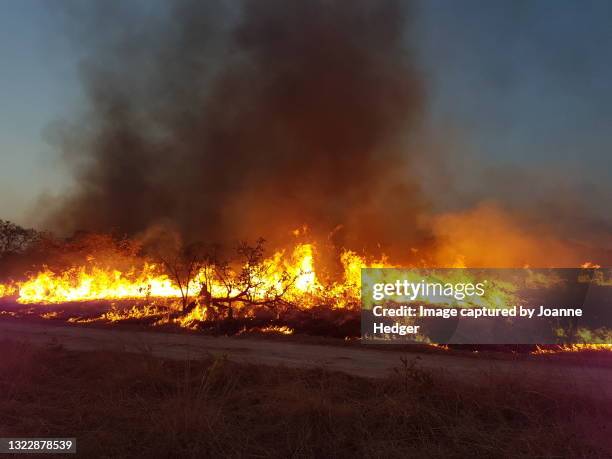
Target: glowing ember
point(275, 329)
point(563, 348)
point(589, 264)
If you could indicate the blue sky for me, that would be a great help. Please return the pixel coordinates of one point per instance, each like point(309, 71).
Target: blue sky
point(531, 74)
point(517, 83)
point(526, 84)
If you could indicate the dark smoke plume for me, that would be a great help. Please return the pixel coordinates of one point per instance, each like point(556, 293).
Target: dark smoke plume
point(248, 119)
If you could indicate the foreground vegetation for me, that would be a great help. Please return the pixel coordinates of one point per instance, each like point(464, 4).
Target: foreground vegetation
point(126, 405)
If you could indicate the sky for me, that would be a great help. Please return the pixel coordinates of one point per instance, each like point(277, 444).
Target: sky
point(39, 85)
point(514, 84)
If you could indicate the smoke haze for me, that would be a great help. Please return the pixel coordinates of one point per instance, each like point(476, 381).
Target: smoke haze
point(228, 120)
point(246, 119)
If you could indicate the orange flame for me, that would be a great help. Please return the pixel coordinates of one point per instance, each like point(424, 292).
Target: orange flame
point(148, 282)
point(91, 282)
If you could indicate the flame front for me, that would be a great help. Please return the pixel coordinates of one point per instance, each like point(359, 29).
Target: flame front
point(148, 281)
point(86, 283)
point(91, 282)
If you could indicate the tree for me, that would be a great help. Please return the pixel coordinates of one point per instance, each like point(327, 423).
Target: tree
point(15, 239)
point(250, 283)
point(205, 277)
point(183, 264)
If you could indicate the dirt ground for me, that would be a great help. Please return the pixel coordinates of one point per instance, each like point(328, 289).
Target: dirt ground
point(579, 378)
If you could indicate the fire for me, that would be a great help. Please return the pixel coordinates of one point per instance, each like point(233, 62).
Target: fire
point(563, 348)
point(7, 290)
point(589, 264)
point(146, 291)
point(591, 340)
point(86, 283)
point(92, 282)
point(152, 294)
point(299, 266)
point(275, 330)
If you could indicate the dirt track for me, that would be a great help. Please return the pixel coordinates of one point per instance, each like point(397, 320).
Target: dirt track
point(592, 382)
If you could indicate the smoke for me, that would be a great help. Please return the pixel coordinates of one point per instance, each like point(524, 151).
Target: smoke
point(489, 235)
point(247, 119)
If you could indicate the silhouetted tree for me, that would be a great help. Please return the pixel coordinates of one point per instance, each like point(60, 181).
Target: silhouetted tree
point(249, 284)
point(206, 276)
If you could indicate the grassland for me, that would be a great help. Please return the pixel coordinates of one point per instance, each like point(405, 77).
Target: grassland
point(128, 405)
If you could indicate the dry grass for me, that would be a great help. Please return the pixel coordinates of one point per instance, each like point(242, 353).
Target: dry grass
point(125, 405)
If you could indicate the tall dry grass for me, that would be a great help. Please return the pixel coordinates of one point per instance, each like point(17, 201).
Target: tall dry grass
point(126, 405)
